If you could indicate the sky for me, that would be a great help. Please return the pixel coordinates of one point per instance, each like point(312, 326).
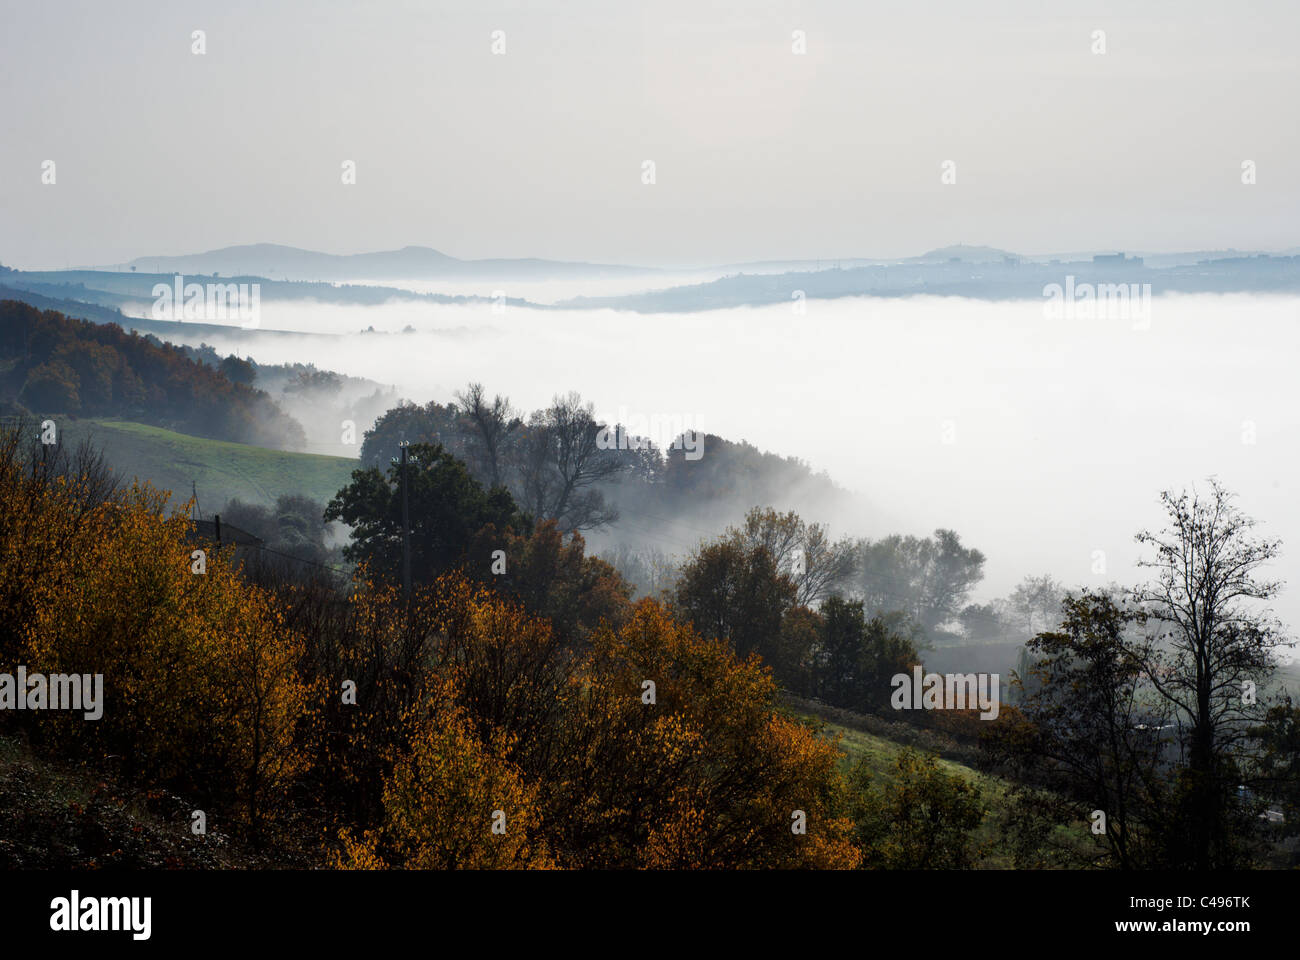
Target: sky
point(758, 152)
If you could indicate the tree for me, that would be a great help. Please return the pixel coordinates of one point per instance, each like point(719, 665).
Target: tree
point(66, 365)
point(1086, 737)
point(1278, 779)
point(984, 622)
point(842, 640)
point(492, 424)
point(1037, 599)
point(917, 818)
point(858, 656)
point(705, 776)
point(551, 576)
point(803, 551)
point(408, 423)
point(238, 371)
point(451, 802)
point(1215, 643)
point(96, 365)
point(889, 647)
point(561, 463)
point(447, 508)
point(309, 380)
point(928, 579)
point(648, 570)
point(200, 671)
point(736, 594)
point(52, 388)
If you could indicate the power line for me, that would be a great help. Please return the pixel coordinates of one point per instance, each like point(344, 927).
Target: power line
point(289, 556)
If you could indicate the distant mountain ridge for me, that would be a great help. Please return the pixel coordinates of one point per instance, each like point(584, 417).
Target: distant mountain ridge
point(279, 261)
point(966, 254)
point(274, 260)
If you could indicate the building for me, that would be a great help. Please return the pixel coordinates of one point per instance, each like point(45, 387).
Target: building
point(1115, 260)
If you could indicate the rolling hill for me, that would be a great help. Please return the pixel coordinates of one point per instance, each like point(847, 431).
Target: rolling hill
point(218, 470)
point(411, 262)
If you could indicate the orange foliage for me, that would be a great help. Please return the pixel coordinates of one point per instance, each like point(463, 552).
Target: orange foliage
point(706, 776)
point(465, 704)
point(444, 797)
point(199, 679)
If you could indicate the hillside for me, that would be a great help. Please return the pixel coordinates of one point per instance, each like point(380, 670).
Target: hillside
point(877, 742)
point(278, 260)
point(219, 469)
point(62, 366)
point(879, 753)
point(71, 816)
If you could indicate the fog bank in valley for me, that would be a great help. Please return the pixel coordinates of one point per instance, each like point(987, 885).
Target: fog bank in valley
point(1041, 441)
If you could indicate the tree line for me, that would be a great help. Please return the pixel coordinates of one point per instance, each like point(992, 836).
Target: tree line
point(54, 364)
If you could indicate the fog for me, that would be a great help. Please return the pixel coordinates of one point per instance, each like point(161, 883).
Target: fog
point(1040, 441)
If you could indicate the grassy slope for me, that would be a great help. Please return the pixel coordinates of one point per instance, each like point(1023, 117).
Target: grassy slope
point(858, 743)
point(879, 754)
point(221, 470)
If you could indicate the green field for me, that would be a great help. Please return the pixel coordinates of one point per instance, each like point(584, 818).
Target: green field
point(879, 753)
point(219, 470)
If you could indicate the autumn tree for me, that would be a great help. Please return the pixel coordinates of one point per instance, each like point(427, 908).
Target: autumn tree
point(63, 365)
point(451, 801)
point(551, 575)
point(677, 758)
point(201, 690)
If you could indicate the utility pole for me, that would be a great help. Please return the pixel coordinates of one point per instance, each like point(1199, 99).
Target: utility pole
point(406, 537)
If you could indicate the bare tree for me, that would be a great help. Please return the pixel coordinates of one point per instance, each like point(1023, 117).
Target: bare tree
point(492, 424)
point(803, 551)
point(561, 465)
point(1215, 645)
point(1039, 596)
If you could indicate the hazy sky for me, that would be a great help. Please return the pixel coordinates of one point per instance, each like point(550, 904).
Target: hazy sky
point(759, 153)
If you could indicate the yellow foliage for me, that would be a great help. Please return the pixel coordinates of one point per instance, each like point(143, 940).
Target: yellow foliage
point(451, 802)
point(470, 713)
point(200, 680)
point(708, 775)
